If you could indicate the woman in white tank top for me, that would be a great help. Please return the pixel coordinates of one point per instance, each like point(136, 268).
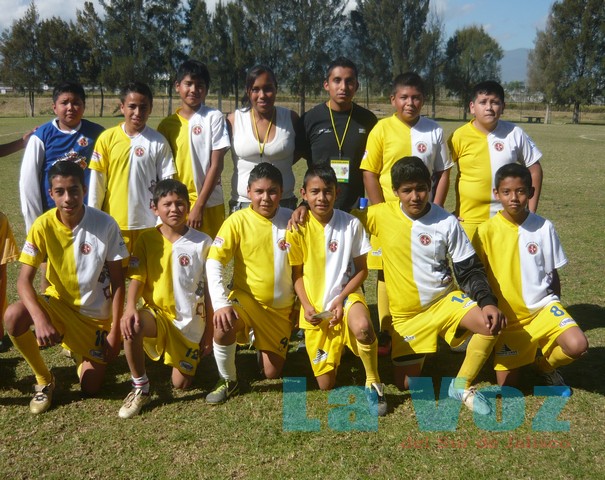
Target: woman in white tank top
point(261, 132)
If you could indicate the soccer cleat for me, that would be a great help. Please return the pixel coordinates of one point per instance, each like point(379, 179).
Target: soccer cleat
point(223, 390)
point(377, 399)
point(384, 344)
point(133, 403)
point(43, 397)
point(472, 398)
point(554, 379)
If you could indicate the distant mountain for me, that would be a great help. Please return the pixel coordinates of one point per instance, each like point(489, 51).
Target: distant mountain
point(513, 65)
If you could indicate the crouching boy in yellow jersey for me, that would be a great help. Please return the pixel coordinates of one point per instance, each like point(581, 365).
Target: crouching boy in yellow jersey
point(522, 253)
point(328, 258)
point(167, 271)
point(86, 287)
point(418, 238)
point(262, 296)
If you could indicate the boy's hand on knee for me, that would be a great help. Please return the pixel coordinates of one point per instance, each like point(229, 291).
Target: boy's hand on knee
point(127, 323)
point(337, 308)
point(112, 345)
point(494, 319)
point(46, 333)
point(224, 319)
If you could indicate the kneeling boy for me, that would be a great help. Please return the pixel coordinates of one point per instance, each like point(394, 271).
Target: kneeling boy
point(328, 258)
point(86, 287)
point(522, 253)
point(262, 296)
point(167, 271)
point(418, 238)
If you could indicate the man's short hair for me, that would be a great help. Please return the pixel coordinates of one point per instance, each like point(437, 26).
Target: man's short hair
point(409, 169)
point(69, 87)
point(195, 69)
point(266, 170)
point(66, 168)
point(167, 186)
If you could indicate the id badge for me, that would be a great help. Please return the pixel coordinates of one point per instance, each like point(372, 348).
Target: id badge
point(341, 167)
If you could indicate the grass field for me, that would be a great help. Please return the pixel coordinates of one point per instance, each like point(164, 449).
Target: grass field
point(179, 436)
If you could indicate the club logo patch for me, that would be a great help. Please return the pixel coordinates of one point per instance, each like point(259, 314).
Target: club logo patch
point(409, 338)
point(218, 242)
point(196, 129)
point(333, 246)
point(186, 365)
point(85, 248)
point(506, 351)
point(282, 244)
point(532, 248)
point(425, 239)
point(184, 260)
point(321, 356)
point(30, 249)
point(83, 142)
point(139, 151)
point(98, 354)
point(421, 147)
point(499, 146)
point(567, 321)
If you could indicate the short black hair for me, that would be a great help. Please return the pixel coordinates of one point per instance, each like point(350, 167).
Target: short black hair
point(324, 171)
point(195, 69)
point(514, 170)
point(66, 168)
point(488, 87)
point(266, 170)
point(69, 87)
point(408, 79)
point(342, 62)
point(409, 169)
point(136, 87)
point(170, 185)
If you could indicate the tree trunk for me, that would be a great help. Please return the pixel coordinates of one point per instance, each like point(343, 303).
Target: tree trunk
point(576, 113)
point(102, 101)
point(302, 99)
point(32, 106)
point(169, 102)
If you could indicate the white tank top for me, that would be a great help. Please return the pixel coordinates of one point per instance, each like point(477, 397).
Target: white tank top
point(246, 155)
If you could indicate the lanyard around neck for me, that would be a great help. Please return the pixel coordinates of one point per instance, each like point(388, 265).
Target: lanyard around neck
point(261, 146)
point(339, 141)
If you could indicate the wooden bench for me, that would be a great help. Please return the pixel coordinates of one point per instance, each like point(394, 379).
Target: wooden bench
point(534, 118)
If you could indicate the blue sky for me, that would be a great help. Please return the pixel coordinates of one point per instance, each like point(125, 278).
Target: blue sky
point(513, 23)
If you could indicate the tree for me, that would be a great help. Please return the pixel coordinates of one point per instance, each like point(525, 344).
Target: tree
point(432, 49)
point(58, 41)
point(567, 64)
point(394, 31)
point(97, 62)
point(21, 57)
point(471, 57)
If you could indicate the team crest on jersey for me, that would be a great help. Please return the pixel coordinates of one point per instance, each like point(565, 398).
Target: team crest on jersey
point(184, 260)
point(186, 365)
point(532, 248)
point(421, 147)
point(196, 129)
point(30, 249)
point(85, 248)
point(83, 141)
point(139, 151)
point(282, 244)
point(499, 146)
point(333, 246)
point(425, 239)
point(218, 242)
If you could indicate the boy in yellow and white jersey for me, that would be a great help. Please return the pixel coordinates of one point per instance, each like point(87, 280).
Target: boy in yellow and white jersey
point(328, 258)
point(9, 252)
point(480, 148)
point(418, 238)
point(128, 160)
point(262, 296)
point(198, 137)
point(522, 253)
point(85, 250)
point(404, 133)
point(167, 271)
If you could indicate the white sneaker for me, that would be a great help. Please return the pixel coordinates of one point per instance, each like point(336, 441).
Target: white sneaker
point(133, 403)
point(472, 398)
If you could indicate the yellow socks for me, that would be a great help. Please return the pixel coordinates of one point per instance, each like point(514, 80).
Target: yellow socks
point(369, 358)
point(28, 347)
point(477, 352)
point(382, 302)
point(555, 359)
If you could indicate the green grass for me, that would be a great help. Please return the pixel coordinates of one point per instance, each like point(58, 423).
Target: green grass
point(181, 436)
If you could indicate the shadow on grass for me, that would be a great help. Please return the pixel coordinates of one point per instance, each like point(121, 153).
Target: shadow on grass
point(587, 315)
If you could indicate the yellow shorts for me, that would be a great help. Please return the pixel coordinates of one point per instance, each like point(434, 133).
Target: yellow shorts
point(213, 220)
point(272, 327)
point(375, 255)
point(85, 336)
point(325, 344)
point(418, 333)
point(130, 238)
point(179, 352)
point(518, 343)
